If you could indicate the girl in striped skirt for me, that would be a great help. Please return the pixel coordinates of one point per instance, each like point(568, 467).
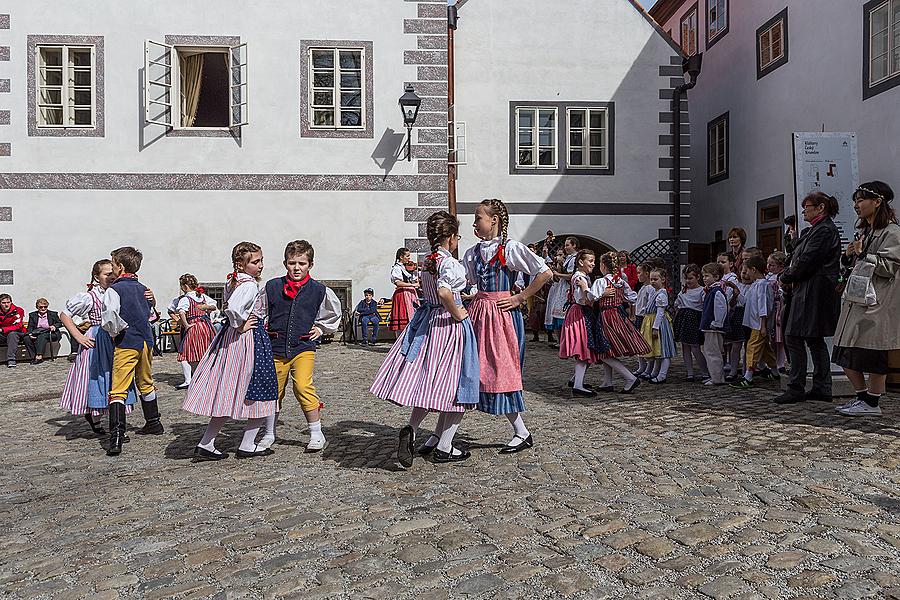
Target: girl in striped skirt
point(86, 391)
point(496, 318)
point(686, 327)
point(406, 284)
point(612, 293)
point(236, 377)
point(433, 366)
point(657, 329)
point(576, 333)
point(193, 310)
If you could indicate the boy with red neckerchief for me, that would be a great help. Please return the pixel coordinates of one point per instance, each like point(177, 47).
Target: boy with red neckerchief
point(11, 327)
point(301, 310)
point(125, 316)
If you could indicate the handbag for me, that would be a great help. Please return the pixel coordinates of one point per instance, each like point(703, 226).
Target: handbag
point(859, 288)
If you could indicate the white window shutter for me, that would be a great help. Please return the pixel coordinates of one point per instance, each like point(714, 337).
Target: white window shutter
point(158, 63)
point(238, 115)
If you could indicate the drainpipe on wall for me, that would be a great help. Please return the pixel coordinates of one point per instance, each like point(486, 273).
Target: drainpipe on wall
point(691, 66)
point(452, 16)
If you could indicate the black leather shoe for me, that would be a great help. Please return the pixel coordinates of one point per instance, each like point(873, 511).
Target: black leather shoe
point(790, 397)
point(153, 427)
point(425, 449)
point(182, 386)
point(95, 427)
point(202, 454)
point(816, 396)
point(244, 454)
point(633, 387)
point(605, 388)
point(405, 448)
point(584, 393)
point(523, 445)
point(440, 456)
point(571, 384)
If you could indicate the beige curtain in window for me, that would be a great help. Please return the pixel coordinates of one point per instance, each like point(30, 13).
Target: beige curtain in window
point(191, 75)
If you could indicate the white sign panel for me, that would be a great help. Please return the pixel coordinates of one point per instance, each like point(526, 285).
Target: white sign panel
point(828, 162)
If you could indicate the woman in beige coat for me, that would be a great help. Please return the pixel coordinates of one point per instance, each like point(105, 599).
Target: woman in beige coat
point(866, 333)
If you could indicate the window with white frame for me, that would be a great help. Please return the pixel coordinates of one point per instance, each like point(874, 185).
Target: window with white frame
point(771, 44)
point(536, 138)
point(884, 41)
point(717, 149)
point(689, 31)
point(336, 88)
point(588, 135)
point(716, 20)
point(65, 86)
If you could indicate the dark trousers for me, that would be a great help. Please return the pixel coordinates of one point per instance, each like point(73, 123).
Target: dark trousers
point(11, 340)
point(796, 348)
point(37, 344)
point(364, 323)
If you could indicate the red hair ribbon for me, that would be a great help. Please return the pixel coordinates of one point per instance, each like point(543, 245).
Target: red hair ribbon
point(90, 286)
point(200, 289)
point(233, 275)
point(434, 256)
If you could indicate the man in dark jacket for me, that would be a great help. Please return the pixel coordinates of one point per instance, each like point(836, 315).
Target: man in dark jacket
point(43, 328)
point(812, 306)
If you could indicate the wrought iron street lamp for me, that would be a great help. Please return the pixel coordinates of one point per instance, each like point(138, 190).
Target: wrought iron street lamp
point(409, 105)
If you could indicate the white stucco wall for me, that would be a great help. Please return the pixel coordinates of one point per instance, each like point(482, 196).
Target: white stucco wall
point(819, 87)
point(578, 50)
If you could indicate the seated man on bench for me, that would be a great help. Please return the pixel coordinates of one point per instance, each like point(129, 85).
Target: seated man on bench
point(12, 319)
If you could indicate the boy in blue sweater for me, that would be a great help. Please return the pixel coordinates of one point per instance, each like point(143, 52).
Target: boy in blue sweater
point(126, 318)
point(367, 310)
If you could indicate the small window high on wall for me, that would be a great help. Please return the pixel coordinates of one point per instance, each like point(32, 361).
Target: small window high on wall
point(881, 46)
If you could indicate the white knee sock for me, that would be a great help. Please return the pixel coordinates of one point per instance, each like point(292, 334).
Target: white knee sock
point(642, 365)
point(607, 375)
point(271, 421)
point(663, 368)
point(186, 369)
point(580, 370)
point(439, 427)
point(269, 437)
point(416, 417)
point(614, 364)
point(208, 442)
point(248, 443)
point(451, 425)
point(315, 431)
point(748, 374)
point(657, 363)
point(518, 425)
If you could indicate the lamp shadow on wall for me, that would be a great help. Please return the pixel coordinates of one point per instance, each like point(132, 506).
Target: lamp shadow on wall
point(143, 140)
point(388, 150)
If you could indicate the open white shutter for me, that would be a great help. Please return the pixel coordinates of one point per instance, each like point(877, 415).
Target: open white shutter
point(238, 114)
point(458, 154)
point(158, 63)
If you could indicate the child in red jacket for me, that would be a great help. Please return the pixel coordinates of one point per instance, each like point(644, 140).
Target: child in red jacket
point(12, 327)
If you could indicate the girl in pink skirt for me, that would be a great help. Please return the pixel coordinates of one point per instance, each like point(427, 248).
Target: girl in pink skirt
point(87, 385)
point(236, 377)
point(433, 366)
point(193, 308)
point(405, 278)
point(575, 336)
point(496, 317)
point(612, 293)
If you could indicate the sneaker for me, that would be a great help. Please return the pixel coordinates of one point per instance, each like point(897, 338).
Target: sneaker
point(690, 379)
point(741, 384)
point(10, 364)
point(315, 444)
point(732, 378)
point(768, 375)
point(859, 408)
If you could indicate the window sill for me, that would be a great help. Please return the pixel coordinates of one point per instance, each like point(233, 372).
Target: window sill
point(35, 130)
point(884, 85)
point(223, 132)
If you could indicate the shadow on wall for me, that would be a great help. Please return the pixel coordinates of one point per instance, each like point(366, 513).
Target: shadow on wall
point(388, 150)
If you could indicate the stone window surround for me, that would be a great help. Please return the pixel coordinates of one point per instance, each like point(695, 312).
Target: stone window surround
point(710, 42)
point(306, 130)
point(562, 139)
point(891, 82)
point(99, 128)
point(710, 179)
point(783, 17)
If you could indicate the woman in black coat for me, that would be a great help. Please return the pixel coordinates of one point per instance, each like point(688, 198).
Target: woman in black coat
point(812, 305)
point(38, 334)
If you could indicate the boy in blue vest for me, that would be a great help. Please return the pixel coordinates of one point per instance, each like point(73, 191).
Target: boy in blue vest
point(301, 310)
point(126, 318)
point(712, 322)
point(367, 310)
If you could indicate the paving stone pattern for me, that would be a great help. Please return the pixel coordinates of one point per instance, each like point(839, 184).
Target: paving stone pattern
point(679, 491)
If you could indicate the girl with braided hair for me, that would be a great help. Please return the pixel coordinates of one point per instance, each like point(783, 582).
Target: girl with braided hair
point(498, 324)
point(193, 308)
point(433, 365)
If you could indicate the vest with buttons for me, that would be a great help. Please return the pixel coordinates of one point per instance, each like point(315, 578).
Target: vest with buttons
point(290, 321)
point(135, 310)
point(709, 310)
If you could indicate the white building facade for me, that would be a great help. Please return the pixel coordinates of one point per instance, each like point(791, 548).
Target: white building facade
point(772, 68)
point(121, 125)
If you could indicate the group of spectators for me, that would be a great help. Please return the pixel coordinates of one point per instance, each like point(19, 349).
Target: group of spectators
point(42, 328)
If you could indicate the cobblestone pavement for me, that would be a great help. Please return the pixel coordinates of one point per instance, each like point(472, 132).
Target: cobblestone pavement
point(679, 491)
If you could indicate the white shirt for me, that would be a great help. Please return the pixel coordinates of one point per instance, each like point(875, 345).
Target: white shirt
point(599, 288)
point(581, 296)
point(328, 319)
point(451, 274)
point(184, 304)
point(110, 318)
point(757, 305)
point(657, 304)
point(243, 300)
point(518, 258)
point(81, 304)
point(643, 296)
point(692, 299)
point(397, 272)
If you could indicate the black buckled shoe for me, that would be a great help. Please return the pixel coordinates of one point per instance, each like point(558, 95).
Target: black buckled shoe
point(245, 454)
point(439, 456)
point(95, 427)
point(405, 448)
point(523, 445)
point(571, 384)
point(634, 386)
point(202, 455)
point(584, 393)
point(425, 449)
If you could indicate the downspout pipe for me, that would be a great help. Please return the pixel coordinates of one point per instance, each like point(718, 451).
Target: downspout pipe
point(452, 17)
point(691, 66)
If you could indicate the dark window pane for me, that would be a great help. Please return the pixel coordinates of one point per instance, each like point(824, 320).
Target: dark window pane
point(351, 80)
point(81, 78)
point(82, 97)
point(576, 118)
point(547, 119)
point(49, 96)
point(545, 137)
point(80, 58)
point(526, 118)
point(351, 118)
point(52, 56)
point(576, 138)
point(526, 138)
point(323, 117)
point(351, 60)
point(526, 157)
point(323, 98)
point(51, 116)
point(598, 157)
point(546, 158)
point(597, 139)
point(598, 119)
point(323, 79)
point(352, 99)
point(323, 59)
point(576, 158)
point(83, 117)
point(52, 77)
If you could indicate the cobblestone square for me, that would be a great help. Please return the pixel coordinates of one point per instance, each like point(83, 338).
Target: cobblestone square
point(678, 491)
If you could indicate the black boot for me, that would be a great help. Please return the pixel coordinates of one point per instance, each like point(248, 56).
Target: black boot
point(95, 427)
point(116, 428)
point(153, 426)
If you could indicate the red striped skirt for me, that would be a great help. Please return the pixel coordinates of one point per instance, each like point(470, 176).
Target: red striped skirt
point(196, 340)
point(623, 338)
point(573, 338)
point(402, 308)
point(219, 384)
point(498, 345)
